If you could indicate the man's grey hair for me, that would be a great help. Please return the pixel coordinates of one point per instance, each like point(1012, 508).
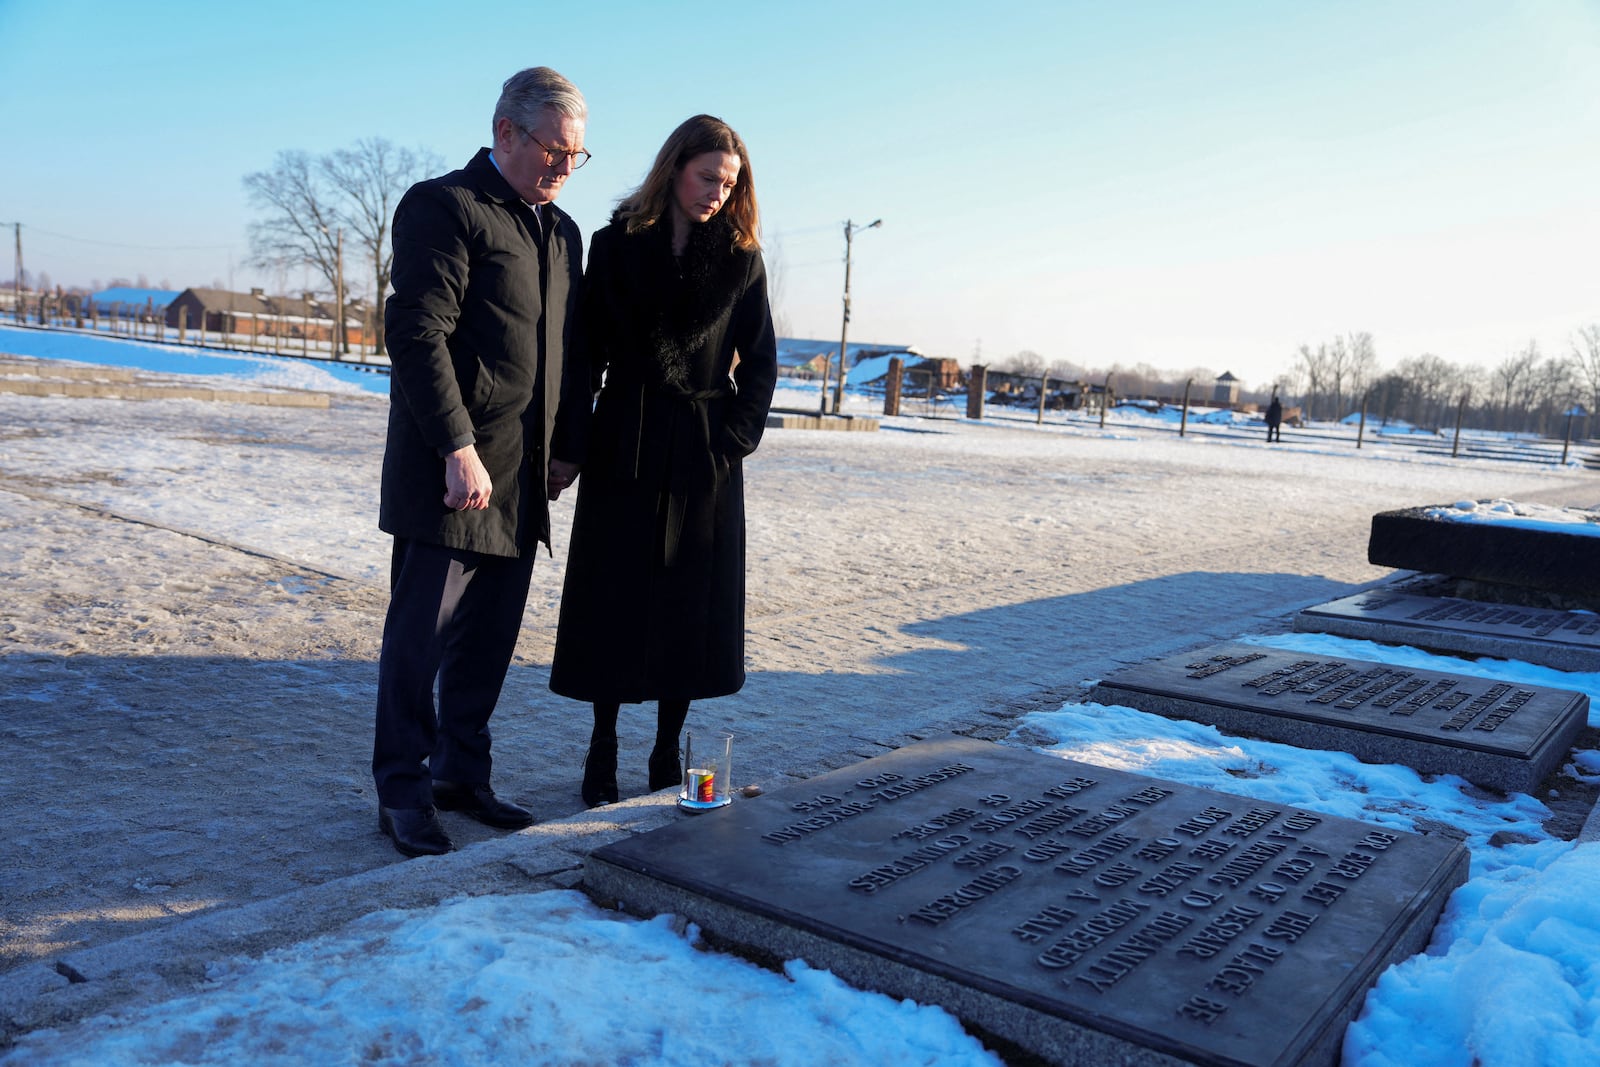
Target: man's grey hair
point(527, 94)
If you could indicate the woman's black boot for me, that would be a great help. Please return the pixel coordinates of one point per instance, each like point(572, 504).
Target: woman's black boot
point(600, 764)
point(665, 768)
point(666, 760)
point(600, 775)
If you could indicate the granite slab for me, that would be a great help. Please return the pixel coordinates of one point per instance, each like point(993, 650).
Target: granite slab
point(1565, 640)
point(1531, 557)
point(1083, 914)
point(1502, 735)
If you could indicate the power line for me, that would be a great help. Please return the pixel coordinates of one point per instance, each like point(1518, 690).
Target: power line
point(120, 244)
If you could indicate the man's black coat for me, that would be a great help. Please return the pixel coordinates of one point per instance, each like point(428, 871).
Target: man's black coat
point(478, 331)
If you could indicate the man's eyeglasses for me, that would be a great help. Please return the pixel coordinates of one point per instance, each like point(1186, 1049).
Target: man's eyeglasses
point(554, 157)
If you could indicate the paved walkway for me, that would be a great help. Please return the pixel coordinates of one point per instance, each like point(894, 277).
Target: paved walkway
point(187, 717)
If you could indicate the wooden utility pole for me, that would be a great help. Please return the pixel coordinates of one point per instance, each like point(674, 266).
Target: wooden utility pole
point(844, 328)
point(16, 277)
point(338, 286)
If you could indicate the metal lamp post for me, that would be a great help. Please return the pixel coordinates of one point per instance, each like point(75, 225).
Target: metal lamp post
point(850, 229)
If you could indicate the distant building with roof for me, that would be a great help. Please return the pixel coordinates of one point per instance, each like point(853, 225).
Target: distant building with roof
point(1225, 394)
point(799, 358)
point(285, 320)
point(127, 301)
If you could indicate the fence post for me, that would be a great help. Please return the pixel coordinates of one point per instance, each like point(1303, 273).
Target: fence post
point(1183, 420)
point(1361, 427)
point(977, 389)
point(1044, 390)
point(1575, 411)
point(1455, 447)
point(891, 386)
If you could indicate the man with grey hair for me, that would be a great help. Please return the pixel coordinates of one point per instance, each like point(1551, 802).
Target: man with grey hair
point(486, 421)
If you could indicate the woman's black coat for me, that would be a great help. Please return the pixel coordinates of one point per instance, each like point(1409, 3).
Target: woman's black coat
point(653, 605)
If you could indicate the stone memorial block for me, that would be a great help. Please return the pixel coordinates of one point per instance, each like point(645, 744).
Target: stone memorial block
point(1086, 915)
point(1566, 640)
point(1505, 553)
point(1503, 735)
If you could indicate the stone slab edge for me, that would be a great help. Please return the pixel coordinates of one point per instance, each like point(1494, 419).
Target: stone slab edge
point(1544, 653)
point(1504, 773)
point(766, 938)
point(1056, 1039)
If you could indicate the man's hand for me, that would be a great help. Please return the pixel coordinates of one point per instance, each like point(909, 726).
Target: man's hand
point(562, 475)
point(466, 482)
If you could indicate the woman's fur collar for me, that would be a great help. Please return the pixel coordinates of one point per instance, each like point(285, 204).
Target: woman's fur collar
point(694, 293)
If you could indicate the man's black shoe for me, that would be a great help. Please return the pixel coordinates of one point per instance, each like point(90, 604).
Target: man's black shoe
point(415, 831)
point(479, 802)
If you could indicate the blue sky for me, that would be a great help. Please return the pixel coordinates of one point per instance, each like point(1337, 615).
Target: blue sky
point(1182, 184)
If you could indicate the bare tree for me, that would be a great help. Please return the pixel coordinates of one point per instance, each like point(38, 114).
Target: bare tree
point(302, 221)
point(371, 177)
point(1431, 383)
point(309, 200)
point(1586, 361)
point(1555, 386)
point(1313, 368)
point(1066, 370)
point(1337, 368)
point(1362, 365)
point(1025, 364)
point(1512, 377)
point(777, 275)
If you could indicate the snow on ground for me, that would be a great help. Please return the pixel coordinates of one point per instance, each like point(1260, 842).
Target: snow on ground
point(543, 978)
point(1509, 979)
point(1513, 973)
point(260, 369)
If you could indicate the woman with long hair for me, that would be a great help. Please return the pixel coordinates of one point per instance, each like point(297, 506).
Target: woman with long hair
point(677, 330)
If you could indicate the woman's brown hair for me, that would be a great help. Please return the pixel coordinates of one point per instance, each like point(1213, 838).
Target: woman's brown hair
point(646, 205)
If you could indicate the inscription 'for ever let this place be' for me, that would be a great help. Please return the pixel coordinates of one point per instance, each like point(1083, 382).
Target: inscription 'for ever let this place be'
point(1231, 889)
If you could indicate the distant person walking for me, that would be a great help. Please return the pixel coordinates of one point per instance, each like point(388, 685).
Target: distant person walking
point(675, 313)
point(486, 278)
point(1274, 420)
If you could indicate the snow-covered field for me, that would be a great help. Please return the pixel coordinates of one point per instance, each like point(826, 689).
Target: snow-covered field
point(895, 576)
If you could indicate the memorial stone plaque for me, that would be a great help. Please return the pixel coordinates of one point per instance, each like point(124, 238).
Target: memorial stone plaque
point(1088, 915)
point(1566, 640)
point(1503, 735)
point(1526, 556)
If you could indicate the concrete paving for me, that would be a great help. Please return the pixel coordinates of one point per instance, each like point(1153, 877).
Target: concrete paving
point(188, 718)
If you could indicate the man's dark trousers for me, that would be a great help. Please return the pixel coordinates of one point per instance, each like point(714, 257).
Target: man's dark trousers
point(456, 614)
